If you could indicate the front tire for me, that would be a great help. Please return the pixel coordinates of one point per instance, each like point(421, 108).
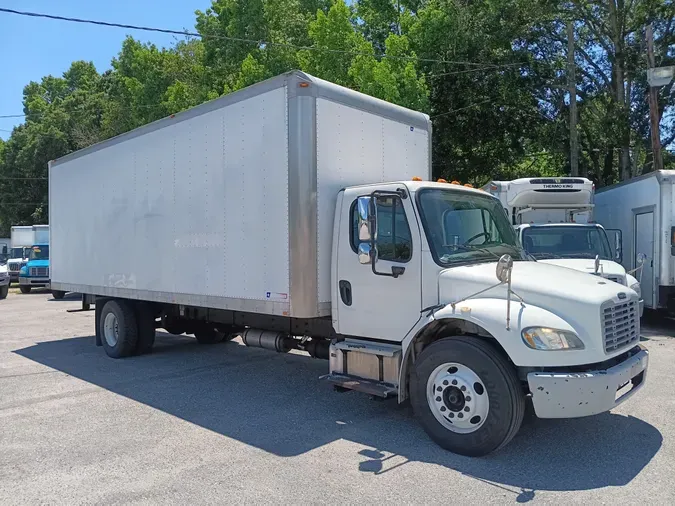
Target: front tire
point(25, 289)
point(466, 396)
point(118, 329)
point(4, 290)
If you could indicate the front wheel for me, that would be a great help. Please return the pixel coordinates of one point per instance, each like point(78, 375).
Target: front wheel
point(4, 290)
point(466, 396)
point(25, 288)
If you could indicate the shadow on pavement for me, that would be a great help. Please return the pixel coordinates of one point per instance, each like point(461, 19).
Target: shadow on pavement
point(277, 403)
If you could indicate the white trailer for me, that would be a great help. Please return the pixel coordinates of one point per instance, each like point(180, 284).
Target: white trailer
point(22, 238)
point(297, 207)
point(545, 200)
point(642, 208)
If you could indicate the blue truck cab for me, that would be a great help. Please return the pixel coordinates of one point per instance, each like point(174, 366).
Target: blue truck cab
point(36, 272)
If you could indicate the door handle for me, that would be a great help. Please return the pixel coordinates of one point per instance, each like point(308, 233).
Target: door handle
point(346, 292)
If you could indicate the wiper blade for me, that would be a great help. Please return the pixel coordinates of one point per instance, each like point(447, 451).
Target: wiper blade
point(470, 247)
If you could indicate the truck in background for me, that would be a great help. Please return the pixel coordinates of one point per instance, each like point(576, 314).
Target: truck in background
point(554, 221)
point(5, 245)
point(4, 278)
point(20, 241)
point(35, 273)
point(299, 200)
point(642, 209)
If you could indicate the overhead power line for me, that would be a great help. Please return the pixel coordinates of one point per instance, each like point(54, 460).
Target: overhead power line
point(187, 33)
point(12, 116)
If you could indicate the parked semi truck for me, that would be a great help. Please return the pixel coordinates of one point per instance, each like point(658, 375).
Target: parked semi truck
point(642, 209)
point(301, 208)
point(20, 241)
point(554, 219)
point(35, 273)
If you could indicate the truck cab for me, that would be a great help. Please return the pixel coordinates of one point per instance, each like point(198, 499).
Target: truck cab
point(554, 221)
point(36, 271)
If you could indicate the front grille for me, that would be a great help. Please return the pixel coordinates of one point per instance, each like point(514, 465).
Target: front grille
point(620, 325)
point(39, 271)
point(15, 267)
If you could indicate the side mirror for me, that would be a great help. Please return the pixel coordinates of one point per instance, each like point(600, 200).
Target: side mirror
point(363, 209)
point(616, 241)
point(641, 259)
point(364, 253)
point(504, 266)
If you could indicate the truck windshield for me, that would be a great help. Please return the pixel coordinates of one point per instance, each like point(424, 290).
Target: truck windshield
point(39, 253)
point(463, 227)
point(17, 253)
point(566, 241)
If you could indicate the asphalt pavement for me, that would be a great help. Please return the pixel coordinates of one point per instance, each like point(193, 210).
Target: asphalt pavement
point(191, 424)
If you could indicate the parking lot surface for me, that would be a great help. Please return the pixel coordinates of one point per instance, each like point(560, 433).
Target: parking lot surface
point(195, 424)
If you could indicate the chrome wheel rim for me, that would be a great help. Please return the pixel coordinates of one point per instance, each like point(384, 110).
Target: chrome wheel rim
point(111, 329)
point(457, 397)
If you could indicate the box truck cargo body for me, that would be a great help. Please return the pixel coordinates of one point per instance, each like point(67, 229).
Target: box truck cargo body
point(294, 213)
point(231, 204)
point(642, 208)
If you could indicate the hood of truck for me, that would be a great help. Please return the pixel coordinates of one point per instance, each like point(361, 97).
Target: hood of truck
point(577, 298)
point(608, 268)
point(534, 280)
point(37, 263)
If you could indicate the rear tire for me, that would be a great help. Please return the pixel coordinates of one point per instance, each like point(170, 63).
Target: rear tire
point(4, 290)
point(58, 294)
point(119, 329)
point(25, 289)
point(447, 374)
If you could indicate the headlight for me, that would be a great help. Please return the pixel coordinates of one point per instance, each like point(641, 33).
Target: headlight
point(636, 288)
point(543, 338)
point(23, 271)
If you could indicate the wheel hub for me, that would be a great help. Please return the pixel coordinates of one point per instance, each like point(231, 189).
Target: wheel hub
point(457, 398)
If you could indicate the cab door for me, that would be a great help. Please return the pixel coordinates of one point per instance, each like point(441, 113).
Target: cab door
point(378, 304)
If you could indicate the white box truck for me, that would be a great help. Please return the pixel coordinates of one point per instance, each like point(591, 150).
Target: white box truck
point(21, 241)
point(554, 221)
point(642, 208)
point(297, 205)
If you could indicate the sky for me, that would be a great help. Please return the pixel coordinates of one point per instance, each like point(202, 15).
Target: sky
point(32, 48)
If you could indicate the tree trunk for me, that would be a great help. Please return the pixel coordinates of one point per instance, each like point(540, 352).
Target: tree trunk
point(616, 8)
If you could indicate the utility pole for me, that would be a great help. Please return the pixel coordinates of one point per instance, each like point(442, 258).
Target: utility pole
point(572, 86)
point(654, 105)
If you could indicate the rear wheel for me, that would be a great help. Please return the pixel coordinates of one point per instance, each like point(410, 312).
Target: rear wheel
point(118, 329)
point(466, 396)
point(58, 294)
point(25, 288)
point(4, 290)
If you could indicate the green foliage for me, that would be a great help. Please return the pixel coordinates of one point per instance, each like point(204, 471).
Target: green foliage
point(491, 74)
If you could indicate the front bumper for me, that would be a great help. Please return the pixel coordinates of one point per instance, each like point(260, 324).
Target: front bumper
point(577, 394)
point(4, 281)
point(26, 281)
point(13, 276)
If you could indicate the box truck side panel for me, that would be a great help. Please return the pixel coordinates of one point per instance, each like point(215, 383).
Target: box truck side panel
point(354, 147)
point(194, 212)
point(627, 207)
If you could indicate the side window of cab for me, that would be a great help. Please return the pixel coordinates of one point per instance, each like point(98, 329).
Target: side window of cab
point(394, 240)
